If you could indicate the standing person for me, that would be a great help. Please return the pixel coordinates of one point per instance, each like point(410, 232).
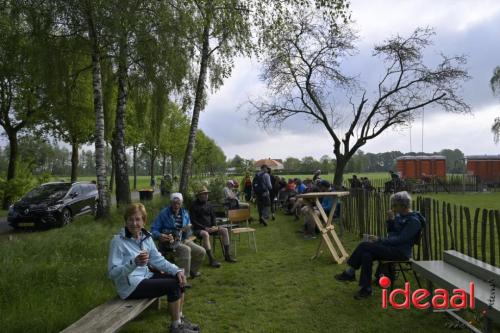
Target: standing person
point(261, 184)
point(273, 193)
point(247, 187)
point(203, 220)
point(172, 227)
point(131, 255)
point(317, 175)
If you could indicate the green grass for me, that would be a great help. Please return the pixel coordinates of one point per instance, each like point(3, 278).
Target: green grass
point(50, 279)
point(3, 213)
point(488, 200)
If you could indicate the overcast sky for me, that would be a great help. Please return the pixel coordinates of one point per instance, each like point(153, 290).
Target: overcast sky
point(462, 27)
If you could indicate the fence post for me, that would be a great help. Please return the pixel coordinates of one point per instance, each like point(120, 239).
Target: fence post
point(492, 237)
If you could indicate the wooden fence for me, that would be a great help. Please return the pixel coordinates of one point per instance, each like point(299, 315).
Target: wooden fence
point(475, 232)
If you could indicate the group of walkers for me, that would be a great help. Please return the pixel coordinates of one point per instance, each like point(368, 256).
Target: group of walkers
point(138, 267)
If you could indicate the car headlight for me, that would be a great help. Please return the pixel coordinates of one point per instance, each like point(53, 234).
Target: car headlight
point(54, 207)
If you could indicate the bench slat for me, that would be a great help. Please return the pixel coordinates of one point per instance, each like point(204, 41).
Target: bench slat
point(109, 317)
point(450, 277)
point(473, 266)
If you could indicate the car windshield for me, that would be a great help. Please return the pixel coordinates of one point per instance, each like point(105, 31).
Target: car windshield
point(51, 191)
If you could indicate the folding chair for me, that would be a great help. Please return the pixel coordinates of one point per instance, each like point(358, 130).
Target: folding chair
point(237, 217)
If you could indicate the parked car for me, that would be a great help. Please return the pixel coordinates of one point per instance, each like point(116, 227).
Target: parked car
point(53, 204)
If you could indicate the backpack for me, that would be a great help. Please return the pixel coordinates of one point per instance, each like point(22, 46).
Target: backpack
point(258, 184)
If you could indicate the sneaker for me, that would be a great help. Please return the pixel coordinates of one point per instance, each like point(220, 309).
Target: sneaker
point(345, 277)
point(181, 329)
point(362, 294)
point(308, 237)
point(195, 274)
point(262, 221)
point(189, 325)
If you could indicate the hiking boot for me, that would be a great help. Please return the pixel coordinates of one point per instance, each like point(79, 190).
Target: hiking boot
point(230, 259)
point(195, 274)
point(181, 329)
point(189, 325)
point(214, 264)
point(345, 277)
point(362, 294)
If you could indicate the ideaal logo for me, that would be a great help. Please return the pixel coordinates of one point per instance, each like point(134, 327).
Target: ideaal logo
point(419, 298)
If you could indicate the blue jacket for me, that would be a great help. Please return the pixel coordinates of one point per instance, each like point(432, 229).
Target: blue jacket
point(301, 188)
point(165, 222)
point(327, 203)
point(402, 231)
point(122, 269)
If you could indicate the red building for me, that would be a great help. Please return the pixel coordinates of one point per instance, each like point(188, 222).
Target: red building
point(486, 167)
point(416, 167)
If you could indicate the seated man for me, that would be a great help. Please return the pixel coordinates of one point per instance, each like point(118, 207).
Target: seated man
point(231, 199)
point(203, 220)
point(326, 203)
point(403, 226)
point(172, 227)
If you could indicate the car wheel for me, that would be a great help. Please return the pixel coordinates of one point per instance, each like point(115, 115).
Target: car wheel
point(65, 218)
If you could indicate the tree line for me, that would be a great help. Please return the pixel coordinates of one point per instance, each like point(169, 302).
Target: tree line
point(129, 75)
point(360, 162)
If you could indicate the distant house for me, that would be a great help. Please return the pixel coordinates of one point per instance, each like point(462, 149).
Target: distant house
point(231, 171)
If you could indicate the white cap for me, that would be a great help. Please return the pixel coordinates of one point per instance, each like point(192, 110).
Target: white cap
point(176, 195)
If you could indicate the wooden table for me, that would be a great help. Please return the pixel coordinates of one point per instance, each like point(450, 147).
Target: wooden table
point(325, 226)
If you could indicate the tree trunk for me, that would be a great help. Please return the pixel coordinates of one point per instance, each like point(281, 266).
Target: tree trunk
point(103, 208)
point(163, 165)
point(11, 170)
point(152, 168)
point(339, 172)
point(172, 171)
point(119, 151)
point(134, 162)
point(74, 161)
point(113, 168)
point(198, 106)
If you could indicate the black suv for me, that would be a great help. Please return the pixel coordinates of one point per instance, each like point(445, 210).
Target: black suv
point(53, 204)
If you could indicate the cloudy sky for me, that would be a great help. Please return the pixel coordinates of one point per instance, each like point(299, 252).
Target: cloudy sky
point(464, 27)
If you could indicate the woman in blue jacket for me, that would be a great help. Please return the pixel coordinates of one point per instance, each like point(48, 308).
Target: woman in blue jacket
point(138, 270)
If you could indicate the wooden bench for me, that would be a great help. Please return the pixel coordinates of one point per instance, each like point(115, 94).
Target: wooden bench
point(111, 316)
point(457, 270)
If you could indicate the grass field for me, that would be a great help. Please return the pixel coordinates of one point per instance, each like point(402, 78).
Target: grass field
point(50, 279)
point(489, 200)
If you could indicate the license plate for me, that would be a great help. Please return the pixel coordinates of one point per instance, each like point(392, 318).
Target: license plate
point(26, 224)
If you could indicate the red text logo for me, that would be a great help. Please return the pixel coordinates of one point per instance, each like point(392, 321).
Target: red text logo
point(440, 299)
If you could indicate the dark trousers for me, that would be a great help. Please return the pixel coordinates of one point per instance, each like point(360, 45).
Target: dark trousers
point(158, 285)
point(263, 206)
point(364, 255)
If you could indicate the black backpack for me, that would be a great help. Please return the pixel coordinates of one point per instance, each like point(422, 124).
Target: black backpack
point(258, 184)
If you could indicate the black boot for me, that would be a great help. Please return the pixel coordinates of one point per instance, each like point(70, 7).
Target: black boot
point(227, 254)
point(214, 263)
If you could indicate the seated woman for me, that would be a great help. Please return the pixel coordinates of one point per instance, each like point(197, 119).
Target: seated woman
point(133, 256)
point(230, 197)
point(404, 227)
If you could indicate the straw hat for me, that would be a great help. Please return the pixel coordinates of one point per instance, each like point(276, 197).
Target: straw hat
point(202, 189)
